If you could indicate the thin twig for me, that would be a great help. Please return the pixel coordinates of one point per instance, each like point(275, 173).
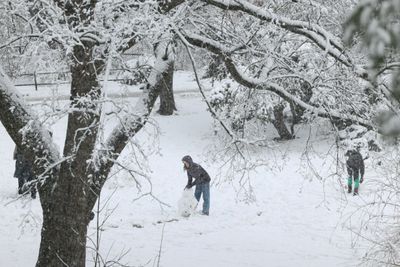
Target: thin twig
point(159, 251)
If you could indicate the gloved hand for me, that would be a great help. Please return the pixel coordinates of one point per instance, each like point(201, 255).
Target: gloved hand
point(361, 180)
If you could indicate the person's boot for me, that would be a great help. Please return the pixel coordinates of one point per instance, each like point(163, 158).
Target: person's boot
point(355, 191)
point(349, 188)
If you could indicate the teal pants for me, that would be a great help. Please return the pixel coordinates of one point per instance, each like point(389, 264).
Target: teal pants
point(356, 182)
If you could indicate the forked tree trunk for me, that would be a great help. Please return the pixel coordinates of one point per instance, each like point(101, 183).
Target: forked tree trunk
point(65, 210)
point(167, 101)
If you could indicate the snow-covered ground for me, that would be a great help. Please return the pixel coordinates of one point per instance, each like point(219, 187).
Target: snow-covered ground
point(296, 220)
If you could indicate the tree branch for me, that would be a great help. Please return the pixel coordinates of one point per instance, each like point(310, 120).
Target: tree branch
point(131, 124)
point(389, 66)
point(242, 79)
point(318, 35)
point(167, 5)
point(18, 38)
point(25, 129)
point(164, 7)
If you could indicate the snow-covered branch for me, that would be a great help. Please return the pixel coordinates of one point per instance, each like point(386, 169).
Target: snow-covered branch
point(24, 128)
point(317, 34)
point(17, 39)
point(167, 5)
point(164, 6)
point(134, 121)
point(389, 66)
point(260, 84)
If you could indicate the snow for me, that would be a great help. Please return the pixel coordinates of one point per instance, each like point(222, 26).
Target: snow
point(296, 220)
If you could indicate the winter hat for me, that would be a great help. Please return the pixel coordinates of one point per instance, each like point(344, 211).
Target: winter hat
point(187, 159)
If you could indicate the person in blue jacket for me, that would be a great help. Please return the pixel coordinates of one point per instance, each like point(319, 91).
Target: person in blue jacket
point(201, 181)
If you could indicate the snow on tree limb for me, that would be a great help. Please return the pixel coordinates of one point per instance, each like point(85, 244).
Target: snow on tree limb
point(132, 123)
point(8, 43)
point(317, 34)
point(259, 84)
point(164, 6)
point(24, 128)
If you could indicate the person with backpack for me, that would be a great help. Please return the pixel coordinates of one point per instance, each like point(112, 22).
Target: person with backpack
point(355, 169)
point(201, 181)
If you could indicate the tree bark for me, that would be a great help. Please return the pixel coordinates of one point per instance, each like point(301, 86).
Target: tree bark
point(279, 123)
point(214, 70)
point(297, 110)
point(167, 101)
point(64, 230)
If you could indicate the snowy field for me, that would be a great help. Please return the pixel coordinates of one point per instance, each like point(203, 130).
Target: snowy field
point(296, 219)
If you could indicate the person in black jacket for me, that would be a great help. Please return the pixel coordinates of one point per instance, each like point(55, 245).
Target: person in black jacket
point(201, 181)
point(355, 169)
point(23, 171)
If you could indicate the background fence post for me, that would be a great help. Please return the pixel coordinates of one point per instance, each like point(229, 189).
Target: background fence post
point(34, 78)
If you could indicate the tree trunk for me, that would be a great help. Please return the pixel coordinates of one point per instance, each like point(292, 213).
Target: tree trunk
point(64, 229)
point(167, 101)
point(279, 123)
point(297, 110)
point(65, 209)
point(341, 124)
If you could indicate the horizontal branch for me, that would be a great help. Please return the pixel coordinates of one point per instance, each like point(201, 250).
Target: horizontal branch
point(259, 84)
